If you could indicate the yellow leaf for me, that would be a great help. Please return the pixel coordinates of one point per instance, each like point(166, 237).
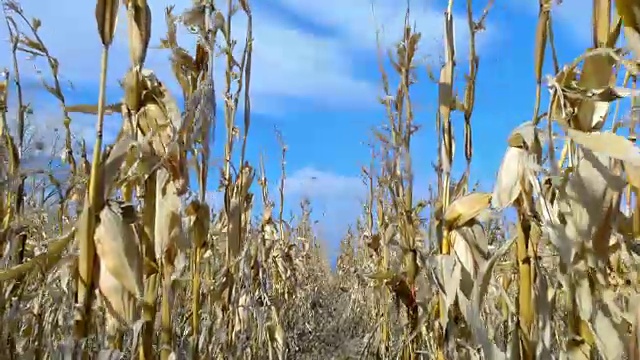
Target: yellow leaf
point(466, 208)
point(609, 144)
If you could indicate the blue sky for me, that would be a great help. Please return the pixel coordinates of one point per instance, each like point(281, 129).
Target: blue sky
point(315, 78)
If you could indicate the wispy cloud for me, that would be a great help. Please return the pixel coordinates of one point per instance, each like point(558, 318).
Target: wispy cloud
point(306, 54)
point(354, 23)
point(312, 182)
point(317, 54)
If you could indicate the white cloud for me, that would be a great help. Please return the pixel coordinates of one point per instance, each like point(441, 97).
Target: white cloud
point(355, 21)
point(44, 127)
point(314, 183)
point(322, 62)
point(294, 66)
point(290, 62)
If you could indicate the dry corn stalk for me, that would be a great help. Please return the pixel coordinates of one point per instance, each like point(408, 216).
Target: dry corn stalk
point(106, 17)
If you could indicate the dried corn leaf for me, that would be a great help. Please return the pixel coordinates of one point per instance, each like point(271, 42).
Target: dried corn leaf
point(608, 335)
point(238, 213)
point(56, 247)
point(475, 236)
point(195, 16)
point(200, 220)
point(119, 302)
point(451, 275)
point(608, 143)
point(158, 120)
point(117, 246)
point(584, 300)
point(381, 275)
point(545, 305)
point(110, 354)
point(276, 333)
point(93, 109)
point(472, 311)
point(115, 160)
point(634, 341)
point(466, 262)
point(597, 73)
point(614, 34)
point(484, 275)
point(591, 193)
point(446, 272)
point(559, 106)
point(242, 313)
point(629, 11)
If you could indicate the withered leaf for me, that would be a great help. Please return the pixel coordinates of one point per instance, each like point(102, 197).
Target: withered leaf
point(608, 143)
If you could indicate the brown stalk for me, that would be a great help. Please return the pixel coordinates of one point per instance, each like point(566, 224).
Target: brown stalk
point(540, 48)
point(15, 155)
point(446, 151)
point(152, 278)
point(399, 176)
point(525, 256)
point(208, 76)
point(281, 186)
point(106, 17)
point(235, 216)
point(21, 121)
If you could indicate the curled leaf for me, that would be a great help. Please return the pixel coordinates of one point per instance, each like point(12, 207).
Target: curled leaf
point(466, 208)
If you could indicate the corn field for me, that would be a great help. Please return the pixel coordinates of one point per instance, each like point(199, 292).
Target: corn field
point(132, 262)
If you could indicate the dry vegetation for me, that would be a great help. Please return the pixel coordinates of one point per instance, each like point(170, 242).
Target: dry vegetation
point(129, 263)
